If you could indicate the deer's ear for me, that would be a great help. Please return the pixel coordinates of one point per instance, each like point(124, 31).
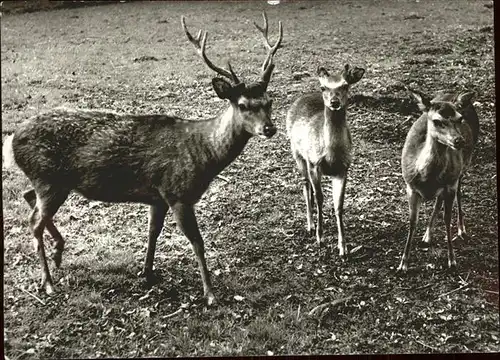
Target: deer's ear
point(464, 99)
point(422, 101)
point(222, 88)
point(322, 73)
point(352, 75)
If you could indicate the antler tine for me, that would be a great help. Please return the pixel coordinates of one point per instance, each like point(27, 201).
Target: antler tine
point(264, 30)
point(200, 49)
point(272, 49)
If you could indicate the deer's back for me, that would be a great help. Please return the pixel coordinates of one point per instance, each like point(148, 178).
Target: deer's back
point(109, 156)
point(305, 111)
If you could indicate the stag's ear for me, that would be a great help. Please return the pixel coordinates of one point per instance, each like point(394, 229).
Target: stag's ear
point(352, 75)
point(222, 88)
point(464, 99)
point(423, 102)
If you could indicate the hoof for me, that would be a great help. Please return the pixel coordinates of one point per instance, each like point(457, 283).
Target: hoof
point(452, 265)
point(402, 268)
point(211, 301)
point(424, 244)
point(48, 288)
point(149, 276)
point(461, 239)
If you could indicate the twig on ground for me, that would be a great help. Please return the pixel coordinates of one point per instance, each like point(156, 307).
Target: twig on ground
point(425, 345)
point(223, 178)
point(33, 296)
point(321, 307)
point(455, 290)
point(491, 292)
point(172, 314)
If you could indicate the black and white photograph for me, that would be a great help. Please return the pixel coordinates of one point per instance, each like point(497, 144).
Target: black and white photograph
point(249, 178)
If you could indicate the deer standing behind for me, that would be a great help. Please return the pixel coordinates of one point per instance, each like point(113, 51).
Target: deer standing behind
point(321, 144)
point(160, 160)
point(437, 151)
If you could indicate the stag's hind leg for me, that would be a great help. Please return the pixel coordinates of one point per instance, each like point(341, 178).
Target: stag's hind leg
point(30, 197)
point(48, 201)
point(186, 220)
point(157, 214)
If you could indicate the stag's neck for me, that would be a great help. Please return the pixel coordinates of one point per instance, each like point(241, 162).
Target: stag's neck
point(227, 139)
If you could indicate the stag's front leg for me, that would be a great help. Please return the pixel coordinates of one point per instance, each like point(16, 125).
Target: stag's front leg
point(338, 189)
point(186, 220)
point(157, 214)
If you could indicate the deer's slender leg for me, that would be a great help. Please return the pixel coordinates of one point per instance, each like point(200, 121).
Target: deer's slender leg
point(307, 191)
point(186, 220)
point(48, 201)
point(30, 197)
point(414, 201)
point(448, 206)
point(157, 214)
point(315, 179)
point(460, 217)
point(427, 239)
point(338, 189)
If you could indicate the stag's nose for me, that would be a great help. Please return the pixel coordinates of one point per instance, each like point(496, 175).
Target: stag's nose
point(335, 104)
point(459, 142)
point(269, 130)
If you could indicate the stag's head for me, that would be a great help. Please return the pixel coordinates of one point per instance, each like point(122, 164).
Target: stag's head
point(250, 103)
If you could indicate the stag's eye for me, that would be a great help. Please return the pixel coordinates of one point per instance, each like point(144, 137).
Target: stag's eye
point(322, 88)
point(243, 107)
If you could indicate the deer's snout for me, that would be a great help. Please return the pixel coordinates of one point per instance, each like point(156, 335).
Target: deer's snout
point(269, 130)
point(335, 104)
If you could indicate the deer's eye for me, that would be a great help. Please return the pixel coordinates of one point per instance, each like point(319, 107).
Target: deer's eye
point(438, 123)
point(243, 107)
point(322, 88)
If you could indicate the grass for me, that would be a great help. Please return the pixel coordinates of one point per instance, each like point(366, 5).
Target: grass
point(268, 274)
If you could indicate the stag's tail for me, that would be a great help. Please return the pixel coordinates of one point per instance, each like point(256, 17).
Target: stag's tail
point(8, 152)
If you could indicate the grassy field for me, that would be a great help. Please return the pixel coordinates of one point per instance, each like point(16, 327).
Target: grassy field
point(268, 274)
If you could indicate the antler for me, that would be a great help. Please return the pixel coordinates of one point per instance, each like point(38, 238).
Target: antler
point(200, 49)
point(266, 66)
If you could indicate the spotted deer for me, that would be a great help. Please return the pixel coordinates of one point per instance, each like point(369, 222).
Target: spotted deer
point(160, 160)
point(436, 153)
point(321, 144)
